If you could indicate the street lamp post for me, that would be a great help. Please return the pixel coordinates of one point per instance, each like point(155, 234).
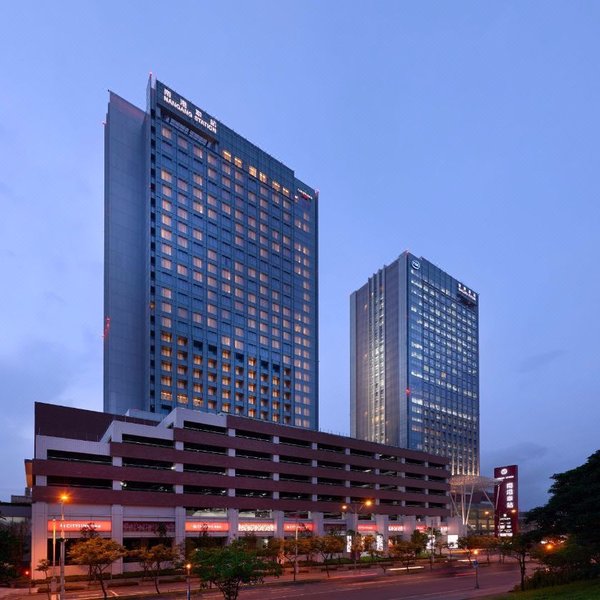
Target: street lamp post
point(476, 565)
point(63, 499)
point(296, 550)
point(355, 508)
point(188, 568)
point(53, 580)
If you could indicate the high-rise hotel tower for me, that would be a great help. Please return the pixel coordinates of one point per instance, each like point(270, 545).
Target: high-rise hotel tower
point(211, 285)
point(414, 352)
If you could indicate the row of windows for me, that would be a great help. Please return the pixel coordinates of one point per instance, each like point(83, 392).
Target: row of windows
point(183, 144)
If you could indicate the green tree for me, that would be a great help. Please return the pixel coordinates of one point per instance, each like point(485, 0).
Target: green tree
point(488, 543)
point(327, 546)
point(468, 543)
point(573, 509)
point(403, 550)
point(369, 545)
point(419, 539)
point(9, 560)
point(291, 549)
point(155, 558)
point(519, 546)
point(97, 554)
point(43, 566)
point(232, 566)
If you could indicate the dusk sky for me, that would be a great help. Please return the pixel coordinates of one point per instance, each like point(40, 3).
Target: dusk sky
point(466, 132)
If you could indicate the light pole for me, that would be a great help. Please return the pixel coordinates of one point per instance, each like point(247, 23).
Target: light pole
point(355, 508)
point(476, 565)
point(63, 498)
point(296, 550)
point(53, 580)
point(188, 568)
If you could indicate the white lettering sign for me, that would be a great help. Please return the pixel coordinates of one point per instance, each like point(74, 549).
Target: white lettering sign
point(182, 107)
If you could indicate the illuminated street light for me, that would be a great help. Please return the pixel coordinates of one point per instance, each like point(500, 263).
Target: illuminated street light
point(63, 498)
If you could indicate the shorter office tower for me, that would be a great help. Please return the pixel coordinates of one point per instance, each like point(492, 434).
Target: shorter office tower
point(414, 362)
point(222, 476)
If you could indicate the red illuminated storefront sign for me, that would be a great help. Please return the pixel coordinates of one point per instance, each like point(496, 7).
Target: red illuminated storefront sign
point(368, 527)
point(77, 526)
point(291, 527)
point(208, 526)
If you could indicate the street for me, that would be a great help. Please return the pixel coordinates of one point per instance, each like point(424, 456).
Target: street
point(458, 584)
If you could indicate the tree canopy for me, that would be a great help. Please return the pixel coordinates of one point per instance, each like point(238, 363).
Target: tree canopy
point(98, 554)
point(574, 507)
point(230, 567)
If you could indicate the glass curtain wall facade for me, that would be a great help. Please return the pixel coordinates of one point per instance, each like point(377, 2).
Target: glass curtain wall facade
point(415, 362)
point(211, 262)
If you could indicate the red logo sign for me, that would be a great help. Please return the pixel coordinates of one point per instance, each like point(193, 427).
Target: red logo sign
point(291, 527)
point(58, 525)
point(208, 526)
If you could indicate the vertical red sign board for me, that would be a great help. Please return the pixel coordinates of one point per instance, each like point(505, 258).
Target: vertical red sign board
point(506, 514)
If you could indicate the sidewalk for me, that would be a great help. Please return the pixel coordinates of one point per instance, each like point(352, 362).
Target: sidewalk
point(146, 589)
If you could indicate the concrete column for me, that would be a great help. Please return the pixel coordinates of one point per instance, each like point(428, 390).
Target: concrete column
point(382, 527)
point(180, 524)
point(318, 523)
point(278, 519)
point(116, 516)
point(40, 536)
point(233, 518)
point(409, 524)
point(351, 521)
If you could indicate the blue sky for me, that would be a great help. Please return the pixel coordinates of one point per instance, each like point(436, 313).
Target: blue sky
point(466, 132)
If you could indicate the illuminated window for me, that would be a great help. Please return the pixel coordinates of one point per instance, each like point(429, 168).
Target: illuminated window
point(253, 171)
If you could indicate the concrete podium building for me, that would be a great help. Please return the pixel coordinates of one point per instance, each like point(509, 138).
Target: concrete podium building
point(193, 473)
